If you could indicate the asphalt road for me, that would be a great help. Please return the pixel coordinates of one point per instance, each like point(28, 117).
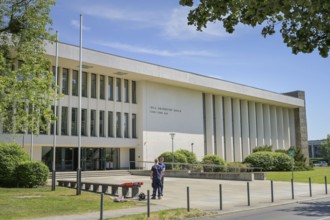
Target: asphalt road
point(310, 210)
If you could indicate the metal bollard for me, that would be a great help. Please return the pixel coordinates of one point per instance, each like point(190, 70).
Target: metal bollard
point(310, 186)
point(188, 200)
point(326, 184)
point(272, 190)
point(220, 192)
point(248, 193)
point(292, 189)
point(148, 203)
point(101, 206)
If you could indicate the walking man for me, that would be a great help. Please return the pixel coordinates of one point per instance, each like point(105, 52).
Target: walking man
point(162, 165)
point(156, 171)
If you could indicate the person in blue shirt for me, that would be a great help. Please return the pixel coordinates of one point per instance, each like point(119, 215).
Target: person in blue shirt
point(156, 174)
point(162, 165)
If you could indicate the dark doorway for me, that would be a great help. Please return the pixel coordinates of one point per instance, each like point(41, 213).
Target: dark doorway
point(132, 158)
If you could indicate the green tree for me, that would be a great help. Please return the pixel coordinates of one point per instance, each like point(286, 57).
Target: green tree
point(191, 157)
point(26, 91)
point(326, 148)
point(304, 23)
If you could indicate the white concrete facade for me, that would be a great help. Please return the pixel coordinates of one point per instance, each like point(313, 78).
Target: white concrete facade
point(217, 116)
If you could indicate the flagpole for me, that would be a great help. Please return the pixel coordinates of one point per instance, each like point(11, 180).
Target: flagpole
point(54, 136)
point(79, 115)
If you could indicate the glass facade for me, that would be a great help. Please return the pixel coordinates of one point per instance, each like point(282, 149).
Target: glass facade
point(93, 123)
point(134, 92)
point(110, 88)
point(93, 85)
point(134, 126)
point(64, 121)
point(65, 81)
point(118, 89)
point(118, 124)
point(101, 124)
point(84, 84)
point(74, 121)
point(126, 135)
point(75, 83)
point(83, 122)
point(110, 124)
point(102, 91)
point(126, 91)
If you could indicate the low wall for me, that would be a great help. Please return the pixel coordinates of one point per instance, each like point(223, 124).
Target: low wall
point(206, 175)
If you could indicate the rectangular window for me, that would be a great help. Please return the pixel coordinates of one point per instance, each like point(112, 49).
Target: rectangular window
point(74, 122)
point(118, 124)
point(101, 130)
point(84, 84)
point(110, 124)
point(126, 93)
point(53, 117)
point(93, 85)
point(64, 121)
point(118, 89)
point(75, 83)
point(126, 125)
point(83, 122)
point(93, 123)
point(110, 88)
point(65, 81)
point(102, 91)
point(134, 126)
point(134, 92)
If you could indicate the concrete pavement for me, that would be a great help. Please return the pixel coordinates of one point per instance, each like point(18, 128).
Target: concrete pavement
point(204, 194)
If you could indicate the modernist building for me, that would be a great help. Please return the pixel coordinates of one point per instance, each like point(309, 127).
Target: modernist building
point(315, 148)
point(129, 109)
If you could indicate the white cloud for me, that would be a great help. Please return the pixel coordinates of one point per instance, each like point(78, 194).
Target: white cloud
point(165, 53)
point(76, 24)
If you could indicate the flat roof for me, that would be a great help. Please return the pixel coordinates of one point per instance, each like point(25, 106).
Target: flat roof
point(109, 64)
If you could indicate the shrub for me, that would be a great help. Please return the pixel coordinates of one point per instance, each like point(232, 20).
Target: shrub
point(262, 148)
point(282, 151)
point(11, 155)
point(32, 174)
point(178, 158)
point(213, 160)
point(190, 156)
point(264, 160)
point(237, 167)
point(282, 162)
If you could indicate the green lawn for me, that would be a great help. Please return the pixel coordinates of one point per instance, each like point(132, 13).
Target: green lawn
point(18, 203)
point(316, 175)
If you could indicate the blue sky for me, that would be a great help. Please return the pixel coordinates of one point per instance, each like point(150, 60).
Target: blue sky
point(156, 31)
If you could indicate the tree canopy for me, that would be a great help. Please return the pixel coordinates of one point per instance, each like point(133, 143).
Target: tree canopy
point(26, 82)
point(305, 24)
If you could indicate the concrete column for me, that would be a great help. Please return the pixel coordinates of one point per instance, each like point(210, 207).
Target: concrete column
point(273, 122)
point(245, 128)
point(219, 126)
point(228, 130)
point(292, 128)
point(280, 127)
point(253, 126)
point(286, 128)
point(260, 125)
point(267, 127)
point(209, 124)
point(237, 130)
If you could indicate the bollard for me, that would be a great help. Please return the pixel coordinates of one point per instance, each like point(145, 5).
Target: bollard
point(220, 192)
point(248, 193)
point(310, 186)
point(326, 184)
point(292, 189)
point(101, 206)
point(148, 203)
point(188, 201)
point(272, 190)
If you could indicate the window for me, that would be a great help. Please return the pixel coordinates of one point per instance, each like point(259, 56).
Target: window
point(75, 83)
point(101, 130)
point(74, 121)
point(134, 126)
point(126, 125)
point(83, 122)
point(118, 89)
point(93, 85)
point(110, 124)
point(134, 92)
point(84, 84)
point(93, 123)
point(126, 93)
point(53, 117)
point(118, 124)
point(102, 92)
point(65, 81)
point(64, 121)
point(110, 88)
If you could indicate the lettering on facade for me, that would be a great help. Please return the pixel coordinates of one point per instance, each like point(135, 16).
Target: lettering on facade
point(163, 110)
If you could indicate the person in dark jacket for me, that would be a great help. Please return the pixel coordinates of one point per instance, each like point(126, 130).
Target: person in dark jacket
point(156, 175)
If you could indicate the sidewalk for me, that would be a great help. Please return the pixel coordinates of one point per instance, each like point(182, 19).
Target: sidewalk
point(204, 194)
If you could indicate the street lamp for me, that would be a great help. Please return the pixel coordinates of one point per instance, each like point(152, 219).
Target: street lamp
point(192, 147)
point(172, 137)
